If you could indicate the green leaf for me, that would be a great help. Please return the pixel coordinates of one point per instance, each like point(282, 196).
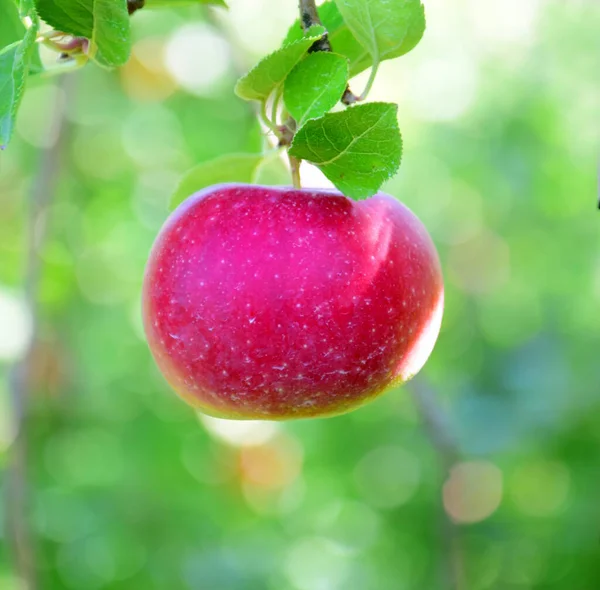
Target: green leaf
point(386, 29)
point(341, 39)
point(271, 71)
point(27, 8)
point(315, 85)
point(68, 16)
point(14, 67)
point(112, 34)
point(247, 168)
point(229, 168)
point(11, 27)
point(169, 3)
point(357, 149)
point(104, 22)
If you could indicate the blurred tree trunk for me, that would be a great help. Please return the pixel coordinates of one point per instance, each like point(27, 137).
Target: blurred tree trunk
point(18, 490)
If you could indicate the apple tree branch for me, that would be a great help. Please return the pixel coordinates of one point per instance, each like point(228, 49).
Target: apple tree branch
point(446, 447)
point(17, 492)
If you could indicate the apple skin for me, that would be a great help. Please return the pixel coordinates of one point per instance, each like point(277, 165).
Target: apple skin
point(276, 303)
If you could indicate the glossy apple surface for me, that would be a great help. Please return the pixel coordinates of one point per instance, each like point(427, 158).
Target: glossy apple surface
point(276, 303)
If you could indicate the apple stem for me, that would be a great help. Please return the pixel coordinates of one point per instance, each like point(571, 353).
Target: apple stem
point(295, 169)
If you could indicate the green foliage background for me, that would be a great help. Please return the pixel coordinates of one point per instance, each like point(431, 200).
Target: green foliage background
point(132, 490)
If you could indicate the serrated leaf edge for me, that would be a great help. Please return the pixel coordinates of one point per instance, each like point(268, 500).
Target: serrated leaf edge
point(308, 37)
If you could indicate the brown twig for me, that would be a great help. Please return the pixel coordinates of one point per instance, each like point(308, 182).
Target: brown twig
point(435, 424)
point(309, 17)
point(18, 490)
point(135, 5)
point(447, 449)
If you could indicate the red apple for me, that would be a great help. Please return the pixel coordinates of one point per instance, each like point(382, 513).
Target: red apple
point(276, 303)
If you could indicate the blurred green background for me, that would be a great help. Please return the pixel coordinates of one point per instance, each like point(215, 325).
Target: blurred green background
point(130, 489)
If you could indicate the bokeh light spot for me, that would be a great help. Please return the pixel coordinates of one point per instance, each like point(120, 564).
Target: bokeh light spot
point(152, 137)
point(504, 23)
point(239, 433)
point(15, 326)
point(316, 564)
point(540, 488)
point(197, 57)
point(272, 465)
point(387, 476)
point(473, 491)
point(85, 457)
point(353, 526)
point(34, 125)
point(443, 89)
point(480, 264)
